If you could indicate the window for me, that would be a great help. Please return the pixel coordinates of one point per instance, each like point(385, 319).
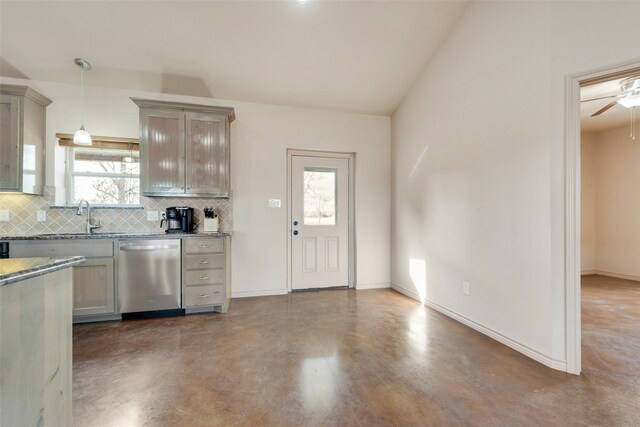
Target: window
point(103, 176)
point(320, 196)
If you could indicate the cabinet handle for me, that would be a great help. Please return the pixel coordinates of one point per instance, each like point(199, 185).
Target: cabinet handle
point(204, 262)
point(203, 296)
point(204, 277)
point(205, 246)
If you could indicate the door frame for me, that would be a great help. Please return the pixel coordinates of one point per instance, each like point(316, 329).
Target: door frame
point(351, 157)
point(573, 327)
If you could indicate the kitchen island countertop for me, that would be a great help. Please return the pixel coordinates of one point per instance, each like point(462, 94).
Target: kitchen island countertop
point(16, 269)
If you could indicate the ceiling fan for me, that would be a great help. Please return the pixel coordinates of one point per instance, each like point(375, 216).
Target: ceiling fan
point(629, 98)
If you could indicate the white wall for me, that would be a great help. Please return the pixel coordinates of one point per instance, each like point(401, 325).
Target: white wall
point(260, 136)
point(478, 165)
point(617, 208)
point(588, 181)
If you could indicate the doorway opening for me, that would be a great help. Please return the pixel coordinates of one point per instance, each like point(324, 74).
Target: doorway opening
point(321, 220)
point(598, 145)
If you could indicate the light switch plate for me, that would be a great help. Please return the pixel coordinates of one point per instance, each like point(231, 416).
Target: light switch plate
point(152, 215)
point(4, 215)
point(466, 288)
point(275, 203)
point(41, 216)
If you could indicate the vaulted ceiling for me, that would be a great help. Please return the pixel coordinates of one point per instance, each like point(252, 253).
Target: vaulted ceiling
point(355, 56)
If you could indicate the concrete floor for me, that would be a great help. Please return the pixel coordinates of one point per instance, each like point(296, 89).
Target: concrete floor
point(351, 358)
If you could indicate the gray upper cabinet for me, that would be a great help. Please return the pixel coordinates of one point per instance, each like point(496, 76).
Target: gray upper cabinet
point(184, 149)
point(22, 139)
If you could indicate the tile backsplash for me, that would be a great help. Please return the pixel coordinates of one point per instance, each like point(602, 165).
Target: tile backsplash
point(22, 211)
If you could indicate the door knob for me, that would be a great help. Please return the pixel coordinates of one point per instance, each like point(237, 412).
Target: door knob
point(295, 232)
point(295, 222)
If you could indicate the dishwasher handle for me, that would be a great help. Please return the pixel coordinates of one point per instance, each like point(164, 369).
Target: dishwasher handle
point(146, 247)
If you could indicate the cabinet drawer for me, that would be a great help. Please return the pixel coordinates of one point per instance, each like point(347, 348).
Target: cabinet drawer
point(204, 295)
point(203, 277)
point(86, 248)
point(203, 261)
point(200, 245)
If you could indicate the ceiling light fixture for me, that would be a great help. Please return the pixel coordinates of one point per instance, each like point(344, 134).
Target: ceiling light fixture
point(81, 136)
point(630, 100)
point(303, 1)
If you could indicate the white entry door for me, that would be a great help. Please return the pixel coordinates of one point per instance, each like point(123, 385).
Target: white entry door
point(320, 222)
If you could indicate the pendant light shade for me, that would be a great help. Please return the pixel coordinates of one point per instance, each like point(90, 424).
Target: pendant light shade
point(81, 136)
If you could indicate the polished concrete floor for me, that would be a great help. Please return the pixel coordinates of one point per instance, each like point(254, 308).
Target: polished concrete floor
point(351, 358)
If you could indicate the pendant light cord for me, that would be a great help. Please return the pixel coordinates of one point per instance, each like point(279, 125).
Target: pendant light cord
point(632, 133)
point(82, 97)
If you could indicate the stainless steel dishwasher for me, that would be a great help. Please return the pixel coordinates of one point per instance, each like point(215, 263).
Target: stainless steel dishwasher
point(148, 275)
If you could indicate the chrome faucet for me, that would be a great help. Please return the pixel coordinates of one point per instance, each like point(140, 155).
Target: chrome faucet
point(91, 225)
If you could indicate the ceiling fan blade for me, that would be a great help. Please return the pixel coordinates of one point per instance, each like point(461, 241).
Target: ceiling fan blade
point(602, 97)
point(605, 108)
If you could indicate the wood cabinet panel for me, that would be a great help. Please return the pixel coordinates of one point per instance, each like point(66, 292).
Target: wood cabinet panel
point(203, 245)
point(94, 279)
point(204, 295)
point(39, 248)
point(35, 349)
point(202, 261)
point(206, 154)
point(9, 143)
point(161, 152)
point(93, 287)
point(184, 149)
point(203, 277)
point(22, 139)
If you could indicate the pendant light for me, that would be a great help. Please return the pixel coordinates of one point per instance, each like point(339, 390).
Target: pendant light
point(81, 136)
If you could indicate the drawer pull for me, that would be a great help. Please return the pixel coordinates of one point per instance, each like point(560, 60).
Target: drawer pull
point(205, 246)
point(203, 296)
point(204, 261)
point(204, 277)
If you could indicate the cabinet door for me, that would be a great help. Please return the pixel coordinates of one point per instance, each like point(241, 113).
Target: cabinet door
point(33, 147)
point(206, 154)
point(9, 143)
point(161, 152)
point(93, 287)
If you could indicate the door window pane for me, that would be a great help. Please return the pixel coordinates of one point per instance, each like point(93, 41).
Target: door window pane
point(320, 196)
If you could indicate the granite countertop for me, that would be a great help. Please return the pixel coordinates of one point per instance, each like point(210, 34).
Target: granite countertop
point(16, 269)
point(110, 235)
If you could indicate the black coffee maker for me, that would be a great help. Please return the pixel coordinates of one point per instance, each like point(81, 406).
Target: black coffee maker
point(179, 220)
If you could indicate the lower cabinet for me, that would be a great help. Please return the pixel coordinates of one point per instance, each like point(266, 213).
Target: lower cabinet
point(204, 270)
point(93, 287)
point(93, 280)
point(205, 274)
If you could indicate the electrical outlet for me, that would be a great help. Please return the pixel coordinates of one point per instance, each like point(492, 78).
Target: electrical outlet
point(275, 203)
point(41, 216)
point(466, 287)
point(4, 215)
point(152, 215)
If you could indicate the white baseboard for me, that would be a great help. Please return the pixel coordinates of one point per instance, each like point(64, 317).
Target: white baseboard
point(616, 275)
point(406, 292)
point(588, 272)
point(364, 286)
point(560, 365)
point(248, 294)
